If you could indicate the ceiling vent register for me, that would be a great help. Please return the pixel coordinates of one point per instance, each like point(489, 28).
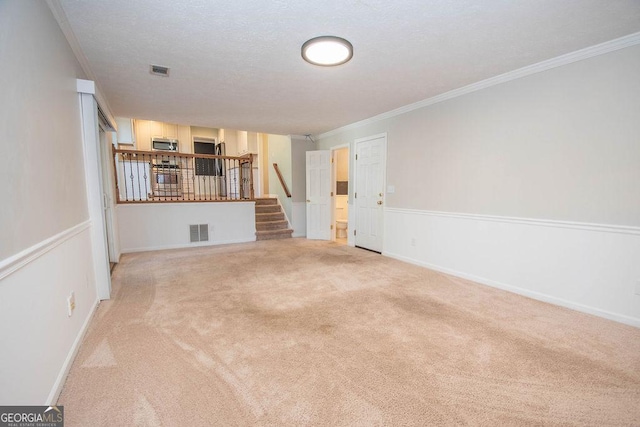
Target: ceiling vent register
point(159, 70)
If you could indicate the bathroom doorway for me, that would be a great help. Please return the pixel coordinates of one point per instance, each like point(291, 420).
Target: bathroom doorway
point(340, 182)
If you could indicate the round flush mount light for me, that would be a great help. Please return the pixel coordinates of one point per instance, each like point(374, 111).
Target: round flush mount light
point(327, 51)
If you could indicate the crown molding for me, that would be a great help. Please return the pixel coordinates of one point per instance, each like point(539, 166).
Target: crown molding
point(579, 55)
point(63, 22)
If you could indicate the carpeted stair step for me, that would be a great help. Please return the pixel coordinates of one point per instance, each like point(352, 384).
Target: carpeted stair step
point(274, 216)
point(273, 234)
point(267, 208)
point(266, 201)
point(271, 225)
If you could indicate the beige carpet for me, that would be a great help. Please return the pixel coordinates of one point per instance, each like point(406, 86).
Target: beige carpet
point(296, 332)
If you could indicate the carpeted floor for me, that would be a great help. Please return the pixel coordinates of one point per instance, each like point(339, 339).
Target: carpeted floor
point(296, 332)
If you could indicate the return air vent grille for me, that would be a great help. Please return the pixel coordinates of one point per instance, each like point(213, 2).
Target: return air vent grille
point(159, 70)
point(199, 233)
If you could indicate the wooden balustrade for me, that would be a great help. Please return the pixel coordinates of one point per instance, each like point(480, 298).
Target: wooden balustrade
point(169, 177)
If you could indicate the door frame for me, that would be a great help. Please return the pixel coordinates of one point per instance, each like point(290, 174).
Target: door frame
point(354, 152)
point(334, 175)
point(90, 130)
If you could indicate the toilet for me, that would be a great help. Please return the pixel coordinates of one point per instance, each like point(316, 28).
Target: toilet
point(341, 228)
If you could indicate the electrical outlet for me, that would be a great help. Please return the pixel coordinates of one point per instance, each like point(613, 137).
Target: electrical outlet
point(71, 303)
point(413, 241)
point(637, 290)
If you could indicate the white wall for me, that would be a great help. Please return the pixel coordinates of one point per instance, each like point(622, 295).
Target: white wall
point(299, 148)
point(151, 226)
point(45, 245)
point(38, 338)
point(553, 147)
point(39, 129)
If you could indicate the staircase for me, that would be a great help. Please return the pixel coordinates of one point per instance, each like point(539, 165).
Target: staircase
point(270, 222)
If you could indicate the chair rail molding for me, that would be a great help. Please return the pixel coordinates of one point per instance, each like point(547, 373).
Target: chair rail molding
point(15, 262)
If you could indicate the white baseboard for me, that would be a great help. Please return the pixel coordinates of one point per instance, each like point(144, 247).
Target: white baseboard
point(632, 321)
point(187, 245)
point(586, 267)
point(73, 352)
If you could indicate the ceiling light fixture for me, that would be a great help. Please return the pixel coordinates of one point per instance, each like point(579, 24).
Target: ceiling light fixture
point(327, 51)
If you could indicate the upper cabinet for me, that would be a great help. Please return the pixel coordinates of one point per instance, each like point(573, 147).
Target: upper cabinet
point(125, 131)
point(143, 134)
point(237, 142)
point(184, 139)
point(145, 130)
point(169, 131)
point(247, 142)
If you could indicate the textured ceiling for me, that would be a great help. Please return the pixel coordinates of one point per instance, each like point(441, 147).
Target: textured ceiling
point(237, 65)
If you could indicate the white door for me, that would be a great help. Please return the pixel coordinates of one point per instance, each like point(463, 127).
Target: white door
point(369, 191)
point(319, 195)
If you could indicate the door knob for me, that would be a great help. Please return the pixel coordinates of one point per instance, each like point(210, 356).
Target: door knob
point(379, 202)
point(308, 201)
point(380, 194)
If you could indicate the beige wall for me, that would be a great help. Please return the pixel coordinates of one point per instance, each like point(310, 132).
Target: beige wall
point(560, 144)
point(43, 190)
point(342, 169)
point(280, 153)
point(263, 140)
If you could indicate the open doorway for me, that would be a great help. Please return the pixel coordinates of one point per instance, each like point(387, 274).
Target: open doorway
point(340, 185)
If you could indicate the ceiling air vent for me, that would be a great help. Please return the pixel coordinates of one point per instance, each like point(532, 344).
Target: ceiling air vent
point(159, 70)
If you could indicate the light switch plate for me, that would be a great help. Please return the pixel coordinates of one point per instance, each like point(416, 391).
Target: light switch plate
point(637, 290)
point(391, 189)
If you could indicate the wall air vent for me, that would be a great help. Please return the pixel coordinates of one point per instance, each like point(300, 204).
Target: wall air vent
point(159, 70)
point(199, 233)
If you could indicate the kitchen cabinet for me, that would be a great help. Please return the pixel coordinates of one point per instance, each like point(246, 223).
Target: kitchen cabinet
point(125, 131)
point(164, 130)
point(143, 134)
point(169, 131)
point(229, 137)
point(247, 142)
point(145, 130)
point(184, 138)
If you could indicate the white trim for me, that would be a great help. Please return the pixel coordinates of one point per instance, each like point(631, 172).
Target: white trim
point(187, 245)
point(334, 178)
point(579, 55)
point(16, 262)
point(370, 137)
point(520, 291)
point(605, 228)
point(354, 153)
point(68, 362)
point(85, 86)
point(94, 190)
point(63, 22)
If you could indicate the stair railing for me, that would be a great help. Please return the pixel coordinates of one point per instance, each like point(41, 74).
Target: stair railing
point(284, 184)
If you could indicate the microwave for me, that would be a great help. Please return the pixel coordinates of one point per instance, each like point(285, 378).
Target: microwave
point(163, 144)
